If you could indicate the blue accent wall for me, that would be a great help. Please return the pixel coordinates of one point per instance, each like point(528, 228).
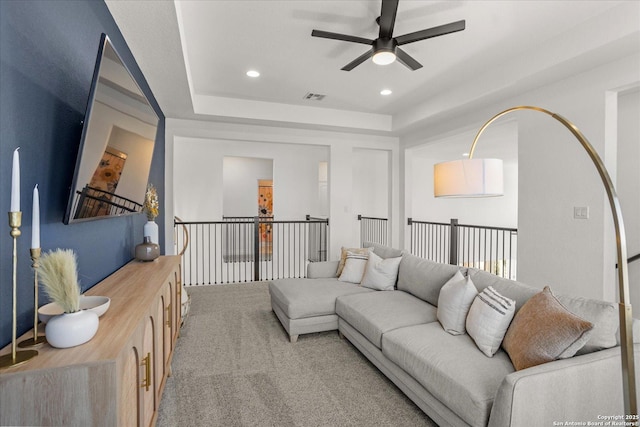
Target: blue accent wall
point(47, 55)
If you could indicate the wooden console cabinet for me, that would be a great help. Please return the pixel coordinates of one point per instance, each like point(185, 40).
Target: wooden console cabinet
point(117, 378)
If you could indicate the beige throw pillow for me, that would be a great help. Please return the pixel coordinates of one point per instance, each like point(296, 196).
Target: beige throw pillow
point(354, 267)
point(343, 256)
point(543, 331)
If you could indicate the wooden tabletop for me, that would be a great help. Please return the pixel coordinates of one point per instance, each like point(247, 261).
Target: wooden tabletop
point(134, 285)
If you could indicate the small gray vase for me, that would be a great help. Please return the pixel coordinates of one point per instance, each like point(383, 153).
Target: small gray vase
point(147, 251)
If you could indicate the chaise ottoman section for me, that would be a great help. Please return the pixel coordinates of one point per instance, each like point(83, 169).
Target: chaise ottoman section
point(372, 314)
point(309, 305)
point(450, 368)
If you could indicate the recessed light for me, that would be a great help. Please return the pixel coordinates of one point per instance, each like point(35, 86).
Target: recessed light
point(253, 73)
point(385, 92)
point(465, 154)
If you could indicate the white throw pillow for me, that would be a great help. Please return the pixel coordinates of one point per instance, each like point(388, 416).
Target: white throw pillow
point(381, 274)
point(454, 302)
point(354, 266)
point(489, 318)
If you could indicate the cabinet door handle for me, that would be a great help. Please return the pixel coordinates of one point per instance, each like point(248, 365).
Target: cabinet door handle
point(169, 315)
point(146, 381)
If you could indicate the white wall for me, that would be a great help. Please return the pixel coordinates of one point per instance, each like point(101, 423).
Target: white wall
point(199, 178)
point(371, 182)
point(197, 181)
point(628, 183)
point(323, 189)
point(555, 174)
point(240, 177)
point(491, 211)
point(201, 145)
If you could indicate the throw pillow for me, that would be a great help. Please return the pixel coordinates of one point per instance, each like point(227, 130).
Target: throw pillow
point(381, 274)
point(517, 291)
point(543, 331)
point(343, 256)
point(488, 319)
point(603, 315)
point(454, 302)
point(354, 267)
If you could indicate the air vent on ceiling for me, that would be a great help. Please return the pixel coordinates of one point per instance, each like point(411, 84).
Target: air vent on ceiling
point(314, 96)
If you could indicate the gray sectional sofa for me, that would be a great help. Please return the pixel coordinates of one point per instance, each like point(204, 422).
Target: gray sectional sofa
point(446, 375)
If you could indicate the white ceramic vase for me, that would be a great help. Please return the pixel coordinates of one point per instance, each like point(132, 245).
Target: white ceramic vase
point(151, 230)
point(71, 329)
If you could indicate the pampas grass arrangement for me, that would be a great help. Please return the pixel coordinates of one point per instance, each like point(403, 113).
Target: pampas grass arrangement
point(151, 206)
point(58, 274)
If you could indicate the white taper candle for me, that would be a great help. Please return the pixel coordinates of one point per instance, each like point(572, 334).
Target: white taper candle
point(15, 182)
point(35, 219)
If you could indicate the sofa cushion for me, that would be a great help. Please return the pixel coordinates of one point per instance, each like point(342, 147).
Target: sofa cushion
point(381, 274)
point(423, 278)
point(383, 251)
point(449, 367)
point(603, 315)
point(454, 302)
point(322, 269)
point(517, 291)
point(300, 298)
point(543, 331)
point(375, 313)
point(489, 317)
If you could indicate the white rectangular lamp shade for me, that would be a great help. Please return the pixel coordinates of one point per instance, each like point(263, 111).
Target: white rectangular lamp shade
point(468, 178)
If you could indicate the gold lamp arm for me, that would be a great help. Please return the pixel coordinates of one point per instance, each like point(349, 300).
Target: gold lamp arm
point(626, 319)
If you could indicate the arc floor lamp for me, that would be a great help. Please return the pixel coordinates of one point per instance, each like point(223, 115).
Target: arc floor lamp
point(483, 177)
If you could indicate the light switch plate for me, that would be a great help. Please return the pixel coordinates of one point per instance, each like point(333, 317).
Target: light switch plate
point(581, 212)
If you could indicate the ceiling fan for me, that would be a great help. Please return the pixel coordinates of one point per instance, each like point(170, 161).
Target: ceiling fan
point(385, 49)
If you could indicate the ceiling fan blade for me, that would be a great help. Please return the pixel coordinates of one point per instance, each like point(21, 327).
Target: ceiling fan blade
point(387, 18)
point(406, 60)
point(359, 60)
point(343, 37)
point(431, 32)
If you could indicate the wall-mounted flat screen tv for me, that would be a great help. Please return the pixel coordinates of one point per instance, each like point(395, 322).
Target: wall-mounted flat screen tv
point(116, 147)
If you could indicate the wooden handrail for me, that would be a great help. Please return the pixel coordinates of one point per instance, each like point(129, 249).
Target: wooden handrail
point(186, 234)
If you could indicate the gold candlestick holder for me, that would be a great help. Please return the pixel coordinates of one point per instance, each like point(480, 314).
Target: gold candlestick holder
point(37, 340)
point(15, 357)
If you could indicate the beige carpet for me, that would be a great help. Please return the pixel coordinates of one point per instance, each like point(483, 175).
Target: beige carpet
point(234, 366)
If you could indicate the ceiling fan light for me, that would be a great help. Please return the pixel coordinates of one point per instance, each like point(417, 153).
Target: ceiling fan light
point(384, 57)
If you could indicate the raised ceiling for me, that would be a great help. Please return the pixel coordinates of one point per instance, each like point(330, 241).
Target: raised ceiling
point(195, 54)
